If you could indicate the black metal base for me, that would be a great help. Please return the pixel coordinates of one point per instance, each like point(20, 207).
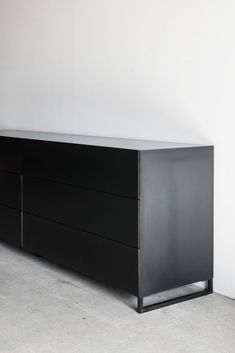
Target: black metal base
point(143, 309)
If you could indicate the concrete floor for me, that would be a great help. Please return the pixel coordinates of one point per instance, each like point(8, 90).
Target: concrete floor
point(46, 309)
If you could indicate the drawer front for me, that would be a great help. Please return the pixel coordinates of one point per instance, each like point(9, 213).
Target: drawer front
point(10, 155)
point(105, 169)
point(10, 225)
point(10, 189)
point(96, 257)
point(111, 216)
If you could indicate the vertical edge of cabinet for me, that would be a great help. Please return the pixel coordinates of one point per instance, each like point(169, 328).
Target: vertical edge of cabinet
point(176, 218)
point(139, 272)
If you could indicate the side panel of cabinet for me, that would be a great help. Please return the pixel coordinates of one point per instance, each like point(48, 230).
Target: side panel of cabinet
point(94, 256)
point(176, 218)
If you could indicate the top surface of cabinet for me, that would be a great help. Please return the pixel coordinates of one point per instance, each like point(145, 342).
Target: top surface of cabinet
point(130, 144)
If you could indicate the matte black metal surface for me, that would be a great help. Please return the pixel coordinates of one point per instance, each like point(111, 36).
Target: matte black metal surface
point(108, 215)
point(176, 218)
point(104, 169)
point(96, 257)
point(10, 189)
point(10, 155)
point(95, 185)
point(99, 141)
point(10, 225)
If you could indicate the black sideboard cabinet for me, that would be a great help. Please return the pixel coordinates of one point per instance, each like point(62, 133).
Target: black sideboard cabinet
point(135, 214)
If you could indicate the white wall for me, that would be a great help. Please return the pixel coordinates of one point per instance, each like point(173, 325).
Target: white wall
point(154, 69)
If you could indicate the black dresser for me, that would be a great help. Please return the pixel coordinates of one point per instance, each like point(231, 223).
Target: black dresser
point(135, 214)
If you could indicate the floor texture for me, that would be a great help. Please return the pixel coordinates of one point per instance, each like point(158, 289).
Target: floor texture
point(47, 309)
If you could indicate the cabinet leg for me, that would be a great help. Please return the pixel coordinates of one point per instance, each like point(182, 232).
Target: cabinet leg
point(140, 305)
point(142, 309)
point(210, 285)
